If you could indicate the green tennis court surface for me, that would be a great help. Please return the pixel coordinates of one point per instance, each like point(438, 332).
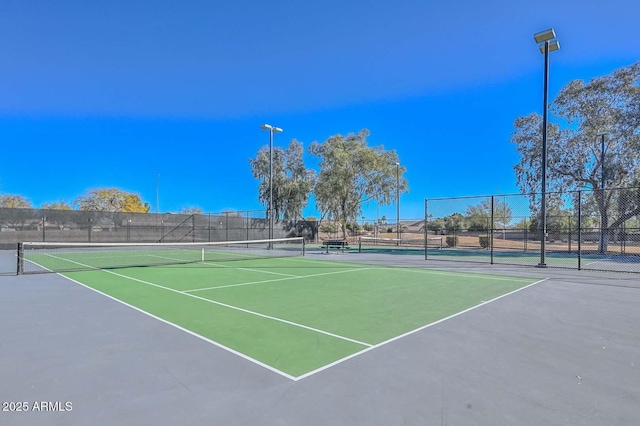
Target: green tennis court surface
point(296, 315)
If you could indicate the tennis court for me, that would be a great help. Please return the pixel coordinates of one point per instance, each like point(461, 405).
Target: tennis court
point(295, 315)
point(263, 340)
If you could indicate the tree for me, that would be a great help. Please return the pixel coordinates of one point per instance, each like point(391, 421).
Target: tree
point(479, 216)
point(59, 205)
point(454, 222)
point(351, 174)
point(14, 202)
point(12, 215)
point(57, 213)
point(610, 103)
point(112, 203)
point(191, 210)
point(435, 225)
point(111, 200)
point(292, 182)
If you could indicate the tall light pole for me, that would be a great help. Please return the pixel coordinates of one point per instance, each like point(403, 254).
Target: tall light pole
point(157, 192)
point(398, 200)
point(602, 193)
point(157, 208)
point(272, 130)
point(547, 42)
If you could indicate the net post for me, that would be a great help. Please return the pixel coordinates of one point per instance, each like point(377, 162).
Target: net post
point(20, 268)
point(360, 245)
point(303, 246)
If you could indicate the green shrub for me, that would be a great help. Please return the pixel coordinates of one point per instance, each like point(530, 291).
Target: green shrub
point(484, 242)
point(452, 241)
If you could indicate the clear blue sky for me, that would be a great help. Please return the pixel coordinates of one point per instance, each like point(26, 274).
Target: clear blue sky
point(114, 93)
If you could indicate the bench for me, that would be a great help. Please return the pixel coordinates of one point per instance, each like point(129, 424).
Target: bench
point(339, 244)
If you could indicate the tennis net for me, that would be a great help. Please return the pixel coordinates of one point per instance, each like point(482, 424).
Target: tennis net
point(40, 257)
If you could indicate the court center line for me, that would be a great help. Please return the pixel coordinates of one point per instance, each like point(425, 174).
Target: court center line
point(317, 330)
point(293, 277)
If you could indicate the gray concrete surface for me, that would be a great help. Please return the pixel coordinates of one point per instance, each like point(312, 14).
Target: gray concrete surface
point(563, 352)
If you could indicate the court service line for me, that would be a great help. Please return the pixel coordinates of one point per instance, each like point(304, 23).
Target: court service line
point(293, 277)
point(317, 330)
point(393, 339)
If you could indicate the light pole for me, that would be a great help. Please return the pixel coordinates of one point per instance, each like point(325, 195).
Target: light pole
point(547, 42)
point(272, 130)
point(398, 200)
point(602, 193)
point(157, 195)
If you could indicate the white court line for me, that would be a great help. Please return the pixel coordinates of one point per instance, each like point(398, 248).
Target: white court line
point(213, 342)
point(393, 339)
point(293, 277)
point(317, 330)
point(310, 373)
point(462, 274)
point(227, 266)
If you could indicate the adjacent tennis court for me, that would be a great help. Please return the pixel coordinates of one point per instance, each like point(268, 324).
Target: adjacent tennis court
point(292, 315)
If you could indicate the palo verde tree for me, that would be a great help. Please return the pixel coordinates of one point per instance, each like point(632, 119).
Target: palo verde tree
point(292, 182)
point(12, 214)
point(112, 203)
point(351, 174)
point(14, 202)
point(57, 213)
point(582, 110)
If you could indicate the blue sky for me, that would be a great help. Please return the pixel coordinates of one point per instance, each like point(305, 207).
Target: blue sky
point(114, 93)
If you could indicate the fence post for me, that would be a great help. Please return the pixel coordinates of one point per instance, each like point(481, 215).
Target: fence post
point(193, 228)
point(526, 235)
point(569, 235)
point(491, 231)
point(426, 222)
point(579, 230)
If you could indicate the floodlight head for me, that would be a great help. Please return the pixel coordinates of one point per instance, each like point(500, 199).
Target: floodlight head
point(553, 46)
point(602, 134)
point(271, 128)
point(545, 35)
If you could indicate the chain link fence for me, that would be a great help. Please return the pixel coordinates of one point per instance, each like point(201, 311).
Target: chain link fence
point(598, 230)
point(20, 225)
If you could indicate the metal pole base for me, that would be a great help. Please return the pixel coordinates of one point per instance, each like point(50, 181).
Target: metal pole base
point(541, 265)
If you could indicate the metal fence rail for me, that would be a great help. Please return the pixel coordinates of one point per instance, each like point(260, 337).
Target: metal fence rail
point(597, 230)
